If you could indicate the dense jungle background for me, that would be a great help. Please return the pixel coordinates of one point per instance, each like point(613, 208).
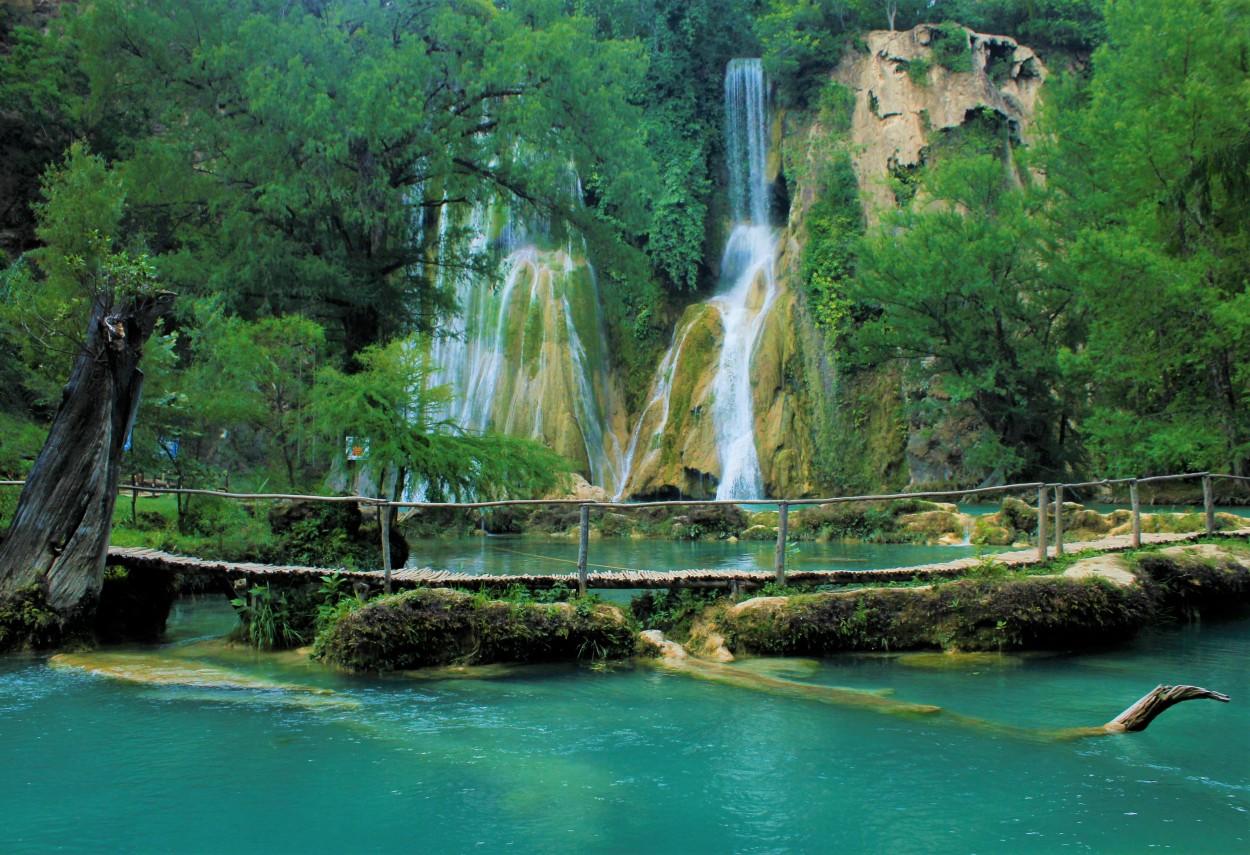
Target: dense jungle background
point(1011, 237)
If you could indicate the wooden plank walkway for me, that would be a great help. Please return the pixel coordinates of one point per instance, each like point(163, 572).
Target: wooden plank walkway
point(133, 557)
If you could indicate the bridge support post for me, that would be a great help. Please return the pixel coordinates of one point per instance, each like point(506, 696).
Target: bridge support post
point(783, 528)
point(1208, 502)
point(1058, 520)
point(384, 520)
point(1042, 546)
point(583, 549)
point(1134, 498)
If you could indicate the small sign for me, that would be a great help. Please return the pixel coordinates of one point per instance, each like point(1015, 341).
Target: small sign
point(357, 448)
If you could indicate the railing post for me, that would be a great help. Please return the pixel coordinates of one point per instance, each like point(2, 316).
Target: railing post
point(1208, 501)
point(134, 499)
point(1135, 499)
point(783, 528)
point(384, 522)
point(583, 548)
point(1058, 520)
point(1042, 546)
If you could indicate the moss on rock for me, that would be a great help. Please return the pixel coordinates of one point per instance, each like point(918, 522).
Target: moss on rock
point(435, 626)
point(965, 615)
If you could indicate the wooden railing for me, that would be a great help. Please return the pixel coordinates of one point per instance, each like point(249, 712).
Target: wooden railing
point(1044, 493)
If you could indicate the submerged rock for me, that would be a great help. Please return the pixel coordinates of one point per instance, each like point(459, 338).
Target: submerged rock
point(162, 669)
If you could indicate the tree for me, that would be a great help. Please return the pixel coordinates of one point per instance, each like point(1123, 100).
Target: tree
point(297, 156)
point(390, 409)
point(1153, 162)
point(256, 378)
point(56, 545)
point(962, 284)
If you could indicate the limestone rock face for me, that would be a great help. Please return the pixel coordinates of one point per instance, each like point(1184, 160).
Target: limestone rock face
point(676, 453)
point(895, 117)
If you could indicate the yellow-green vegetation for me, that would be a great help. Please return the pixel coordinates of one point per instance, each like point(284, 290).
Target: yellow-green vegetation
point(991, 608)
point(436, 626)
point(963, 615)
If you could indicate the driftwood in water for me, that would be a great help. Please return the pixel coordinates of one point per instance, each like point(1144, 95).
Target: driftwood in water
point(673, 657)
point(1139, 715)
point(59, 536)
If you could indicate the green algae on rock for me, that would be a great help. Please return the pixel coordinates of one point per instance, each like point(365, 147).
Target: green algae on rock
point(436, 626)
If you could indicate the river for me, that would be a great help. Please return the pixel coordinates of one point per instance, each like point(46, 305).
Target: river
point(572, 759)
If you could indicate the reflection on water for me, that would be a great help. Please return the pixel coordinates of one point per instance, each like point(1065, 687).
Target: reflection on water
point(563, 759)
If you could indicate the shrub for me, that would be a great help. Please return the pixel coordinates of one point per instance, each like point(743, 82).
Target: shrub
point(952, 49)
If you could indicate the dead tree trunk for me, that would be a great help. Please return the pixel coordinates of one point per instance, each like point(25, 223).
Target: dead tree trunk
point(1141, 714)
point(58, 540)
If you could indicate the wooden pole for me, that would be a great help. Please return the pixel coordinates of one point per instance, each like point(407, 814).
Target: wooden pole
point(1042, 547)
point(1135, 499)
point(583, 549)
point(1058, 520)
point(1208, 502)
point(134, 502)
point(384, 524)
point(783, 528)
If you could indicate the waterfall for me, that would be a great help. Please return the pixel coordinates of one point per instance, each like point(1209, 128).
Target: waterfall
point(526, 355)
point(744, 297)
point(748, 285)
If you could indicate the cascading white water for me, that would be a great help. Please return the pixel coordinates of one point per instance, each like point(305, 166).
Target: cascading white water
point(527, 357)
point(748, 286)
point(744, 297)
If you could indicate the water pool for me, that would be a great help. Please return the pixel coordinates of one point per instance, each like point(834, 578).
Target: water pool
point(630, 760)
point(505, 555)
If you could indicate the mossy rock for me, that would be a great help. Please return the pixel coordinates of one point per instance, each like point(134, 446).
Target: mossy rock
point(617, 525)
point(434, 626)
point(1019, 515)
point(932, 526)
point(769, 519)
point(1200, 577)
point(967, 615)
point(1089, 525)
point(989, 530)
point(760, 532)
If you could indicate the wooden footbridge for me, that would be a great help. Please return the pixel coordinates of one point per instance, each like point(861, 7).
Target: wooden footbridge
point(250, 574)
point(1050, 542)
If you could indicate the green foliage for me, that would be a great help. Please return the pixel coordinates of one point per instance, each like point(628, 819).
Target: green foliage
point(836, 107)
point(673, 611)
point(269, 621)
point(46, 296)
point(20, 441)
point(27, 621)
point(834, 225)
point(297, 142)
point(967, 615)
point(977, 300)
point(1075, 25)
point(872, 521)
point(918, 71)
point(392, 404)
point(951, 47)
point(40, 89)
point(803, 41)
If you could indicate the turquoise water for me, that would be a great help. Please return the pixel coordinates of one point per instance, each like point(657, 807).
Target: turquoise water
point(631, 760)
point(506, 555)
